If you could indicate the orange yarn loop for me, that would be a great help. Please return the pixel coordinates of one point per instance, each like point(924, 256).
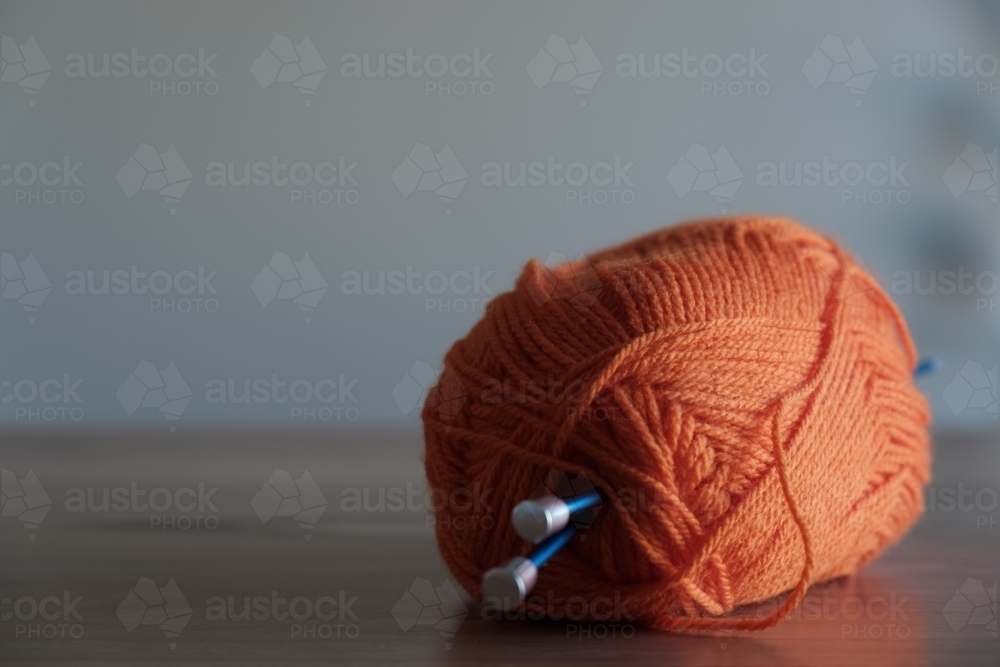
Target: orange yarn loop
point(739, 389)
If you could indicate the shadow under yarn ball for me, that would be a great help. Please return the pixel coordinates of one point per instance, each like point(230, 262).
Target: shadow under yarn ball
point(740, 390)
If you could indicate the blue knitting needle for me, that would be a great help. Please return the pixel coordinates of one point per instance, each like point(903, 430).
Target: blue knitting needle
point(511, 582)
point(538, 518)
point(926, 367)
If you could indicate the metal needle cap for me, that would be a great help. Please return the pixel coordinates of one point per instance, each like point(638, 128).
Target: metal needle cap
point(539, 518)
point(511, 583)
point(536, 519)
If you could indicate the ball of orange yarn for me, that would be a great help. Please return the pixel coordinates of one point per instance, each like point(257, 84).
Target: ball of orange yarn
point(739, 389)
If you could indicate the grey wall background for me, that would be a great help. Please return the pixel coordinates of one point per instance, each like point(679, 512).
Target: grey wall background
point(940, 217)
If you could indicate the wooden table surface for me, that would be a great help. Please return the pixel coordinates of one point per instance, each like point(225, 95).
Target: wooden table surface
point(922, 603)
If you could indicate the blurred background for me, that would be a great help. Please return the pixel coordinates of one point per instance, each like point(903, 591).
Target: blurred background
point(238, 237)
point(167, 167)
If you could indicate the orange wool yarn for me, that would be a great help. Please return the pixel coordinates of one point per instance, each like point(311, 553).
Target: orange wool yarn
point(743, 378)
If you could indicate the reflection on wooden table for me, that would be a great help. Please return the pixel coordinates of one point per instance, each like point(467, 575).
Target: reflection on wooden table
point(203, 553)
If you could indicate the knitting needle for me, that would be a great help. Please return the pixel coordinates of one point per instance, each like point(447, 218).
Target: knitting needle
point(511, 582)
point(538, 518)
point(926, 367)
